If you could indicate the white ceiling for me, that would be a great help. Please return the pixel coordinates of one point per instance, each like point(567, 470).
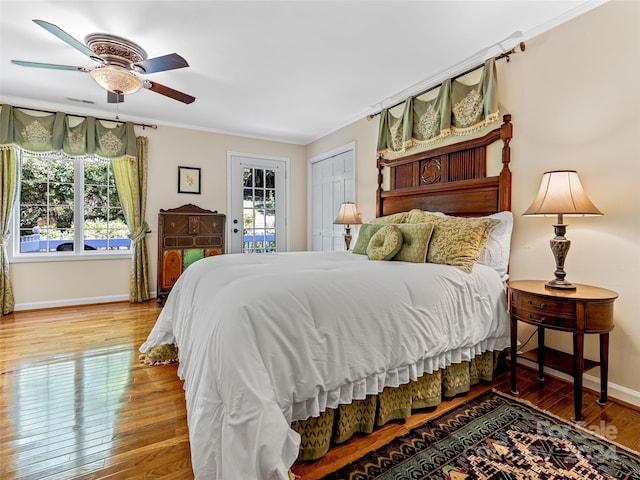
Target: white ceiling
point(289, 71)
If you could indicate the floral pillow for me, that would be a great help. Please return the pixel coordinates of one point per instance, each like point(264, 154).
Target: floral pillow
point(459, 241)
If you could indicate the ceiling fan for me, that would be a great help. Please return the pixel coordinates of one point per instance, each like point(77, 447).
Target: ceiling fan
point(120, 60)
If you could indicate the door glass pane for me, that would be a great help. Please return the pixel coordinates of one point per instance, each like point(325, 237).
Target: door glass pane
point(259, 207)
point(247, 176)
point(270, 179)
point(258, 177)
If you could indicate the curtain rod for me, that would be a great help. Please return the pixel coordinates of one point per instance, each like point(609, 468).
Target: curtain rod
point(116, 120)
point(520, 48)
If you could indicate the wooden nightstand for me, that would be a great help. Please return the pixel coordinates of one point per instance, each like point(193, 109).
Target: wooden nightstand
point(583, 310)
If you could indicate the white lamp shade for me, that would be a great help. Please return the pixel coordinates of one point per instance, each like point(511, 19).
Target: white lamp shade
point(348, 215)
point(561, 193)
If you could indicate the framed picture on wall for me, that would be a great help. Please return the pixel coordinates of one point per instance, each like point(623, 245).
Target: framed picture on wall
point(188, 180)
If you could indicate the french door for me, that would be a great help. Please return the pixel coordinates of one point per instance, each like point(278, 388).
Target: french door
point(257, 204)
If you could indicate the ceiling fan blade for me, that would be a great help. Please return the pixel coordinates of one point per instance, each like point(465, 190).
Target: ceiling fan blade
point(65, 37)
point(169, 92)
point(113, 97)
point(50, 65)
point(160, 64)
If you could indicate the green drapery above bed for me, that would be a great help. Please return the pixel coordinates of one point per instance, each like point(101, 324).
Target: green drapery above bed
point(457, 109)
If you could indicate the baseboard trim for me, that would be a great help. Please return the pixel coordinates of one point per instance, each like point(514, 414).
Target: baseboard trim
point(591, 382)
point(73, 302)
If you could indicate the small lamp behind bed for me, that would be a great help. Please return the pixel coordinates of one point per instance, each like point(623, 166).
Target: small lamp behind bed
point(348, 215)
point(561, 193)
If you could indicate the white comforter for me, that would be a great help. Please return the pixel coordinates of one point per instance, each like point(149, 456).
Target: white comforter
point(267, 339)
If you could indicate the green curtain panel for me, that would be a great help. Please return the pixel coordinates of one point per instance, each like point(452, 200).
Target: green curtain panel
point(131, 181)
point(457, 109)
point(9, 175)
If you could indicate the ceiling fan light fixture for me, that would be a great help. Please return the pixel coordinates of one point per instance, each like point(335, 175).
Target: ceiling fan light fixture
point(116, 79)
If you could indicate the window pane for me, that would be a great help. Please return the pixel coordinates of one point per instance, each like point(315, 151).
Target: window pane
point(247, 175)
point(62, 217)
point(61, 170)
point(259, 198)
point(95, 196)
point(61, 193)
point(259, 177)
point(34, 169)
point(270, 179)
point(96, 172)
point(270, 198)
point(114, 200)
point(33, 193)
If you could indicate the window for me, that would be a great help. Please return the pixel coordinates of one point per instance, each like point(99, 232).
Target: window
point(68, 202)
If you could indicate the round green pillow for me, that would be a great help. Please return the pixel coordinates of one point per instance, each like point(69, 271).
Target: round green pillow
point(385, 243)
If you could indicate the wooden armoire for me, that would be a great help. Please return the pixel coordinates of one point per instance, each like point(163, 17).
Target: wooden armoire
point(185, 234)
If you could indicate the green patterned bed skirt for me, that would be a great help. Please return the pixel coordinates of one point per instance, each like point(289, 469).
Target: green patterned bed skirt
point(335, 426)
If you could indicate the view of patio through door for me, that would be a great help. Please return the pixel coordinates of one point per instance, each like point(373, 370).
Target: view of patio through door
point(257, 205)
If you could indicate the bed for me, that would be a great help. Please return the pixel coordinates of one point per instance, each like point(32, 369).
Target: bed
point(273, 340)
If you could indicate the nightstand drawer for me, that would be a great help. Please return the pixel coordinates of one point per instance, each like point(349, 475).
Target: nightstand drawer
point(545, 306)
point(541, 318)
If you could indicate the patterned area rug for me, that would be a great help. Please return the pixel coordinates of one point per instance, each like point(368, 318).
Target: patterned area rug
point(496, 437)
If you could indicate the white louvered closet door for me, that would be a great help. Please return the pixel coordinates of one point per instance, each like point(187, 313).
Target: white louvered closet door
point(332, 182)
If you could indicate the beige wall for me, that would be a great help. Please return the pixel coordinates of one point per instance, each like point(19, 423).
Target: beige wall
point(575, 105)
point(53, 283)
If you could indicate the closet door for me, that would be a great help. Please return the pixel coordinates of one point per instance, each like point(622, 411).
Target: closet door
point(332, 182)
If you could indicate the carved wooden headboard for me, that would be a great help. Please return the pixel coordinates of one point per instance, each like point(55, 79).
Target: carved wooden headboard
point(450, 179)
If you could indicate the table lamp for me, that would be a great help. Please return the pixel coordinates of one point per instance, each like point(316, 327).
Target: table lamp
point(348, 215)
point(560, 194)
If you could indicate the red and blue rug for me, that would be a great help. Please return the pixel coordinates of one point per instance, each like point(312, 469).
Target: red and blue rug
point(496, 437)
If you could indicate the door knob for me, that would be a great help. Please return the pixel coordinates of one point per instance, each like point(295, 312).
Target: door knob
point(235, 230)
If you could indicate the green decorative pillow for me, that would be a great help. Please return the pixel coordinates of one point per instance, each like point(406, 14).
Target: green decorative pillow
point(366, 231)
point(415, 242)
point(459, 241)
point(394, 218)
point(385, 243)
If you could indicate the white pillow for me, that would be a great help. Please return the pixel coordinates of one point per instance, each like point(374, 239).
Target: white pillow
point(496, 253)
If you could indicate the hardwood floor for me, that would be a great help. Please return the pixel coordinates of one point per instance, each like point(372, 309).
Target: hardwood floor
point(75, 403)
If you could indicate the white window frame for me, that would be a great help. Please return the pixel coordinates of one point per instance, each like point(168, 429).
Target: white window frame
point(15, 256)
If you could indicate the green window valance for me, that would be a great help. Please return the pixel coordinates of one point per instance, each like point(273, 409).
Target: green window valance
point(73, 135)
point(457, 109)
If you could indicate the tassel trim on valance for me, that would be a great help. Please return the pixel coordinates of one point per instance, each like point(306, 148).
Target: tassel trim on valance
point(61, 153)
